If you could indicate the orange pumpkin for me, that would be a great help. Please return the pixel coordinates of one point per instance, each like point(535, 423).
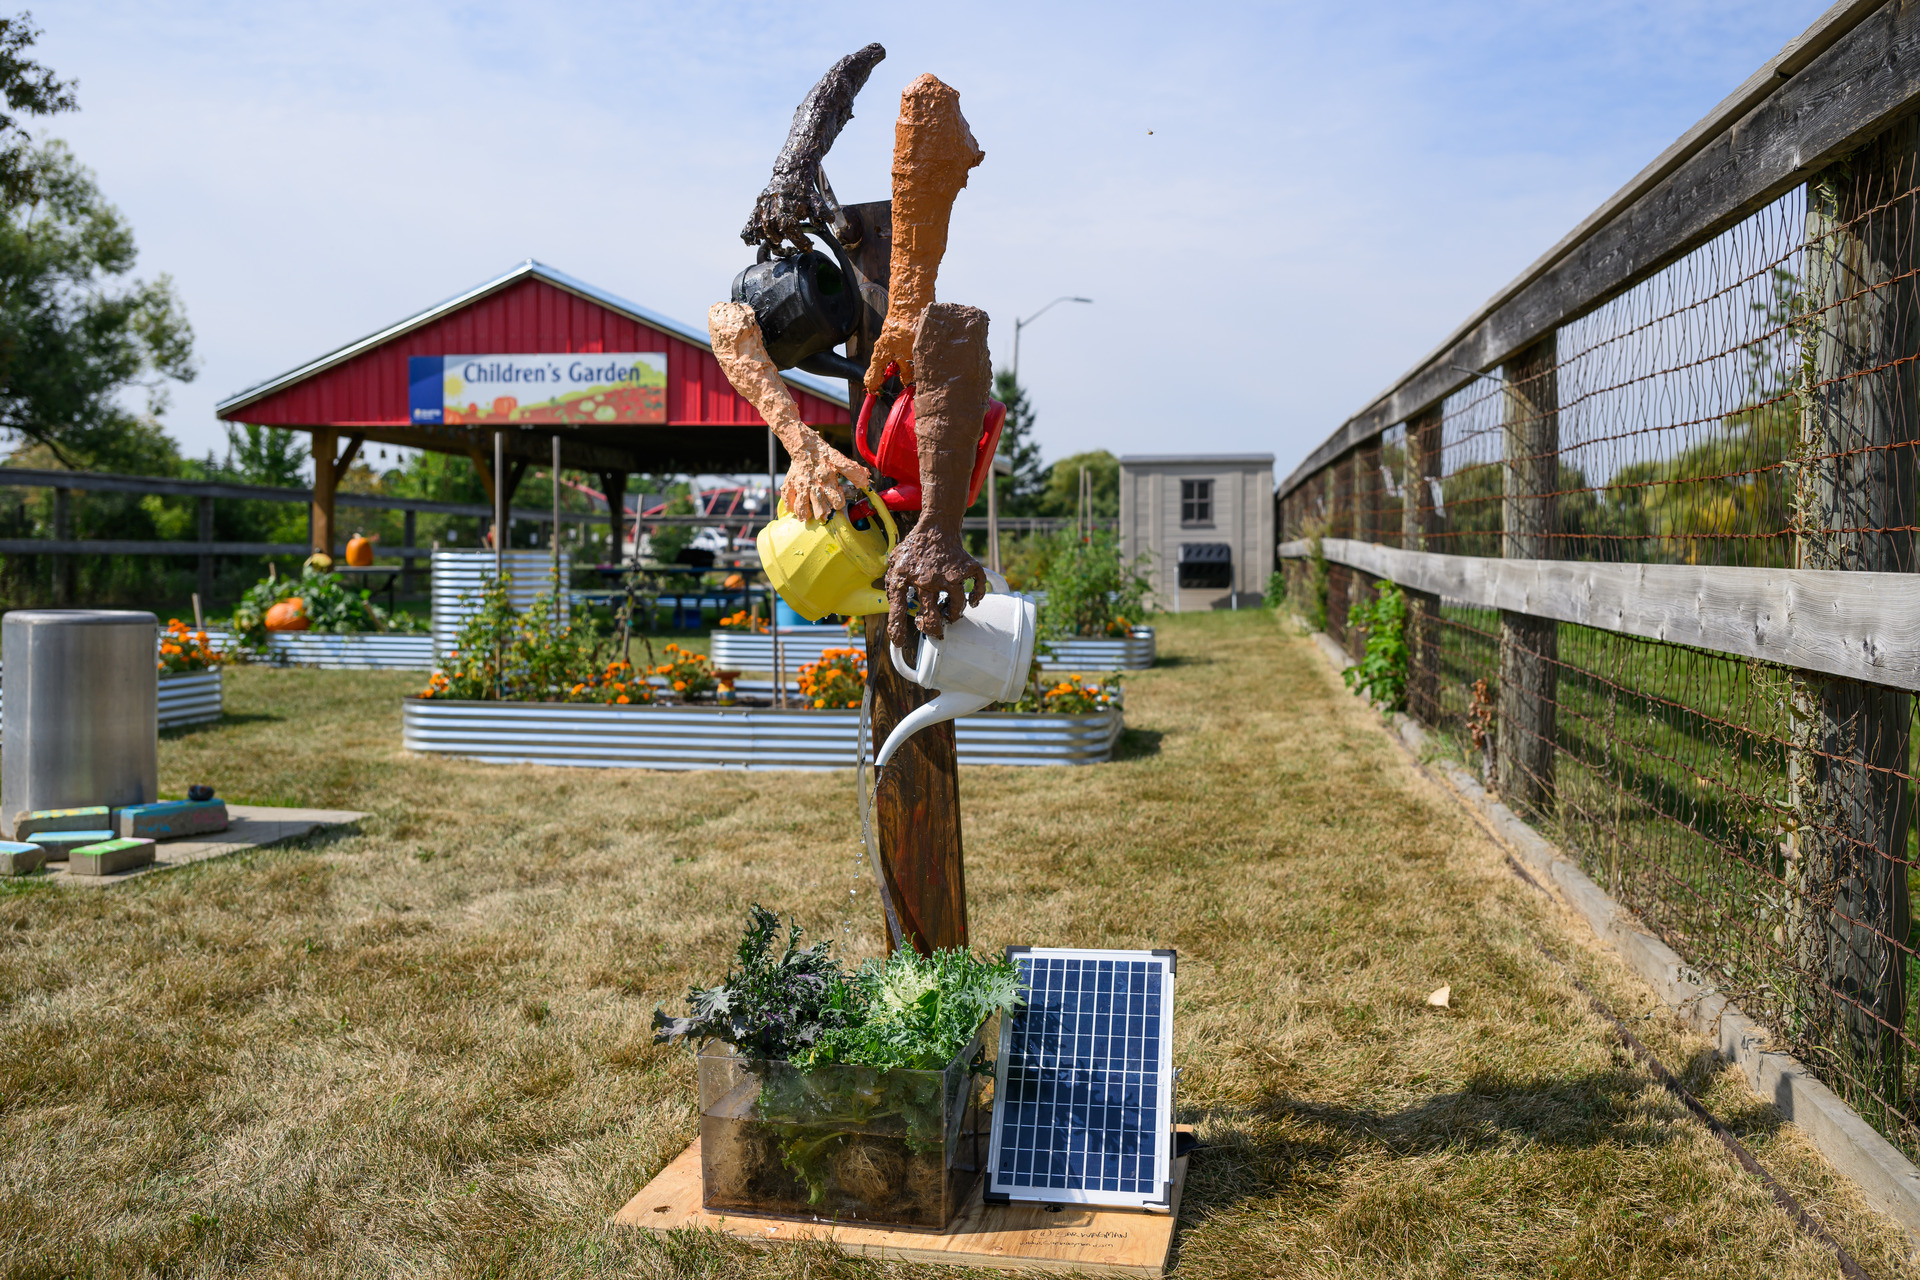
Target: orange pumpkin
point(359, 551)
point(735, 581)
point(289, 615)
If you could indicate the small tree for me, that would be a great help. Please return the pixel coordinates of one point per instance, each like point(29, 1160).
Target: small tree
point(1090, 590)
point(1019, 492)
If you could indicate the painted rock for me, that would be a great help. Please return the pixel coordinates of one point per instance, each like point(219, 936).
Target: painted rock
point(171, 819)
point(110, 857)
point(91, 819)
point(17, 859)
point(58, 843)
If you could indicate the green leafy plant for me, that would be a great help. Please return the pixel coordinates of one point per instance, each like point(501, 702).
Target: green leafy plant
point(1276, 588)
point(507, 654)
point(917, 1011)
point(1381, 674)
point(776, 1002)
point(1090, 590)
point(331, 608)
point(1319, 576)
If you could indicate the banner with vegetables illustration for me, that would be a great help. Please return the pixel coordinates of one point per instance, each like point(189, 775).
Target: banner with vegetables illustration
point(595, 389)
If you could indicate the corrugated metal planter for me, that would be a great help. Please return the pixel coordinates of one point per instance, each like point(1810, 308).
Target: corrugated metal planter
point(192, 697)
point(744, 651)
point(1132, 652)
point(356, 652)
point(701, 737)
point(460, 576)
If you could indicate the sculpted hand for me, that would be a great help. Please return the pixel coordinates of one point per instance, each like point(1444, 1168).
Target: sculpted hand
point(812, 490)
point(933, 563)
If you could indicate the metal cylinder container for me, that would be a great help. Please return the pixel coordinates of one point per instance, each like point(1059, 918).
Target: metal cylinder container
point(77, 724)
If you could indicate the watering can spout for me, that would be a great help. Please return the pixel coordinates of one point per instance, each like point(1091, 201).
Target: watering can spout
point(948, 706)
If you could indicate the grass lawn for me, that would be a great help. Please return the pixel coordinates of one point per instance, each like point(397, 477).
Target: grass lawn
point(422, 1048)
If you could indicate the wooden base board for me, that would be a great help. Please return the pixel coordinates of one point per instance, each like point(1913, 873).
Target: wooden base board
point(1084, 1239)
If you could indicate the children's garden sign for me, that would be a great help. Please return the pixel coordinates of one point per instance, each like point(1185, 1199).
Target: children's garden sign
point(597, 388)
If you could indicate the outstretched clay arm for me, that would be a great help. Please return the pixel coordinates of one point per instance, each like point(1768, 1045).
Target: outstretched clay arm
point(793, 195)
point(951, 402)
point(812, 491)
point(933, 151)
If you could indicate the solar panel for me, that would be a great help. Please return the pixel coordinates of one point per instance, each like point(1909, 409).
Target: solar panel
point(1083, 1096)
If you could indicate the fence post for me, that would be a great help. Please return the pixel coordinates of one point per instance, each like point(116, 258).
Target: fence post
point(1340, 524)
point(408, 529)
point(206, 561)
point(1853, 507)
point(62, 532)
point(1417, 516)
point(1529, 647)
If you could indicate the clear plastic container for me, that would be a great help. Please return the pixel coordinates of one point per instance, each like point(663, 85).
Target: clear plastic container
point(855, 1144)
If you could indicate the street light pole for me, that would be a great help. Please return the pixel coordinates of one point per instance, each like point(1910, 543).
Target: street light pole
point(1018, 325)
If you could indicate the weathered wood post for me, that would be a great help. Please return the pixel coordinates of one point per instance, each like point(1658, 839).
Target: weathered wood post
point(205, 566)
point(1529, 512)
point(1340, 524)
point(916, 815)
point(1366, 528)
point(1418, 517)
point(320, 523)
point(1854, 508)
point(63, 575)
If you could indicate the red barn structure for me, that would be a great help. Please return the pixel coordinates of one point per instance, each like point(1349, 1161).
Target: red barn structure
point(400, 386)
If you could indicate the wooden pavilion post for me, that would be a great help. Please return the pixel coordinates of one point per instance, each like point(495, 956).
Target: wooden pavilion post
point(614, 483)
point(1854, 510)
point(1418, 518)
point(323, 482)
point(917, 796)
point(1529, 647)
point(500, 497)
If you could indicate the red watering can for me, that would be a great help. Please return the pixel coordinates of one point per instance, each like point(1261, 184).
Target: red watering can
point(899, 452)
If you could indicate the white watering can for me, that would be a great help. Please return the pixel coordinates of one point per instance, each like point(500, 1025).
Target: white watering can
point(983, 658)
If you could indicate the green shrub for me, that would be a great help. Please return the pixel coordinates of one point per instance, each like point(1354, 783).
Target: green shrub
point(502, 653)
point(330, 605)
point(1090, 590)
point(1381, 675)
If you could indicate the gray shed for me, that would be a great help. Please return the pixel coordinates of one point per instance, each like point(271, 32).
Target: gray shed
point(1204, 521)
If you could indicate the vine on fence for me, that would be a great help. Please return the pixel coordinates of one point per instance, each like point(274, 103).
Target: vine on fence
point(1381, 674)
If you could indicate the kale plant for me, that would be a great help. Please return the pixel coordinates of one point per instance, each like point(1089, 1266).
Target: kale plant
point(772, 1004)
point(917, 1011)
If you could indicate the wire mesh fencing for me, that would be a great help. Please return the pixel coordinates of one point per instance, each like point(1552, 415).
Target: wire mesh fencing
point(1752, 404)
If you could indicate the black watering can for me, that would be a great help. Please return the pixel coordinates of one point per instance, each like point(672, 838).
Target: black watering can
point(806, 304)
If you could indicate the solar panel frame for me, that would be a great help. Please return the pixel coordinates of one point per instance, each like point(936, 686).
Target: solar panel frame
point(1026, 1075)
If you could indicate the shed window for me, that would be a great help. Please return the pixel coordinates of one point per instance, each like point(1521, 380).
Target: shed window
point(1196, 502)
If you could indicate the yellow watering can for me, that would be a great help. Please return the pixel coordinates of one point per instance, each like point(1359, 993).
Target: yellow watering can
point(829, 566)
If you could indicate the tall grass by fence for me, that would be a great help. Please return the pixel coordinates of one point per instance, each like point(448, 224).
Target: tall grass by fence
point(1696, 420)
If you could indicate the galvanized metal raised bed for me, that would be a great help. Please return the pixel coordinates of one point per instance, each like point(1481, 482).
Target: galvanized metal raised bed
point(355, 652)
point(745, 651)
point(192, 697)
point(701, 737)
point(1131, 652)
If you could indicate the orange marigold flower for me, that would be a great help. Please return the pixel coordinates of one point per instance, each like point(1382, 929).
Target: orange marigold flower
point(680, 686)
point(621, 698)
point(819, 702)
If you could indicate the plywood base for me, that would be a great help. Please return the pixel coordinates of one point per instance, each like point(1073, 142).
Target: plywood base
point(1075, 1238)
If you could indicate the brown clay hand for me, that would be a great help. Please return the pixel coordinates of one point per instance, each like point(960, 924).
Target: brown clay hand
point(949, 406)
point(792, 196)
point(933, 151)
point(812, 490)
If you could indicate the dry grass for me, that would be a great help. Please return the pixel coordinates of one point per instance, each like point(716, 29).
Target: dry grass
point(422, 1048)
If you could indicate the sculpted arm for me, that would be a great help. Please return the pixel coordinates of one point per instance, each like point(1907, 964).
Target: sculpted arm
point(792, 196)
point(955, 372)
point(812, 491)
point(933, 151)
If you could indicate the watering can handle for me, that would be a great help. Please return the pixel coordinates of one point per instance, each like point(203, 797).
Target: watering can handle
point(866, 414)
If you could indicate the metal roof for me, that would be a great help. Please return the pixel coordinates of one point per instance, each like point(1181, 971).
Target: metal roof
point(1197, 459)
point(833, 392)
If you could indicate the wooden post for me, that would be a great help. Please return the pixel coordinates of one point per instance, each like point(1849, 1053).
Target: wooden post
point(408, 531)
point(62, 563)
point(1529, 647)
point(1418, 518)
point(1854, 508)
point(206, 561)
point(614, 484)
point(1340, 524)
point(917, 796)
point(324, 479)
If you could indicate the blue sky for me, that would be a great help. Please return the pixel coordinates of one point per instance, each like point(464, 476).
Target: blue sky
point(1276, 208)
